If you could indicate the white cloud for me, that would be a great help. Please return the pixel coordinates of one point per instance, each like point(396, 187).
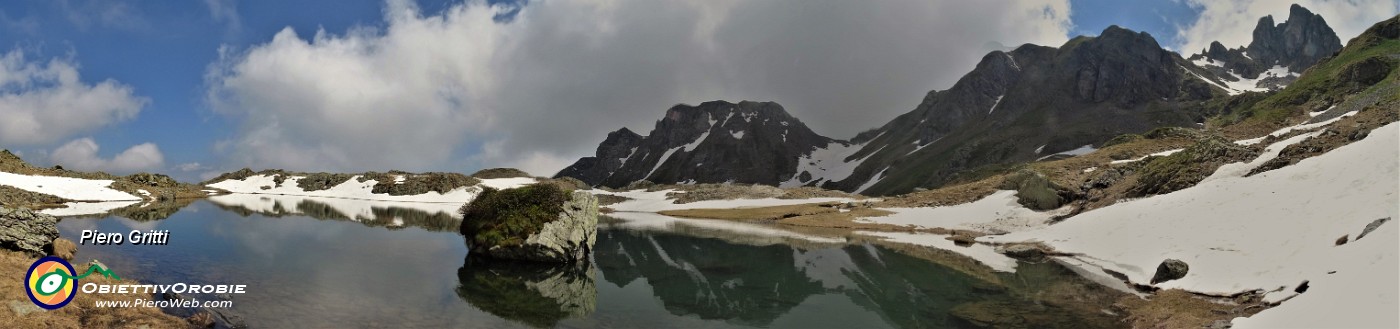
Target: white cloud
point(546, 86)
point(190, 166)
point(85, 14)
point(226, 12)
point(42, 103)
point(1232, 21)
point(81, 155)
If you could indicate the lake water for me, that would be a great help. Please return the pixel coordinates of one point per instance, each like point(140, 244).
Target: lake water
point(336, 263)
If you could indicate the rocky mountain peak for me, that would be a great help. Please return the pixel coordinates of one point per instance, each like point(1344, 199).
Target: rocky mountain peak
point(713, 142)
point(1276, 55)
point(1120, 65)
point(1297, 43)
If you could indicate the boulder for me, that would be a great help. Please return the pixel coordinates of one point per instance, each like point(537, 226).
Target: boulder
point(538, 222)
point(1023, 252)
point(27, 231)
point(962, 240)
point(1170, 269)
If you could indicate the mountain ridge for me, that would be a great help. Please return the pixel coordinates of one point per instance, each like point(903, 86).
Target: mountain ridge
point(1027, 104)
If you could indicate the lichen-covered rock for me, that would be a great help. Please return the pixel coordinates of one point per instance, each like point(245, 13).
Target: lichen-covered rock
point(27, 231)
point(1035, 191)
point(1170, 269)
point(538, 222)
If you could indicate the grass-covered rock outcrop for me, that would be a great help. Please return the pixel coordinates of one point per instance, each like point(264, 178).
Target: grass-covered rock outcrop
point(539, 222)
point(415, 184)
point(1036, 191)
point(1190, 166)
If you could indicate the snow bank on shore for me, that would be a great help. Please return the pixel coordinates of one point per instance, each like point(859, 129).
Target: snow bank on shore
point(996, 213)
point(354, 189)
point(982, 253)
point(644, 201)
point(76, 189)
point(357, 210)
point(1270, 231)
point(657, 222)
point(86, 208)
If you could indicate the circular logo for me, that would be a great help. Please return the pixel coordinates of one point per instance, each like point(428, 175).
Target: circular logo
point(50, 282)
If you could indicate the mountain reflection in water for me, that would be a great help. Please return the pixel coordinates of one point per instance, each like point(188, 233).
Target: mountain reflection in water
point(347, 263)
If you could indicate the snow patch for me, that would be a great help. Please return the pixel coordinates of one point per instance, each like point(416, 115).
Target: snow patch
point(1289, 129)
point(996, 213)
point(980, 252)
point(644, 201)
point(76, 189)
point(507, 183)
point(86, 208)
point(828, 163)
point(664, 157)
point(1271, 230)
point(873, 180)
point(1082, 150)
point(1158, 154)
point(350, 189)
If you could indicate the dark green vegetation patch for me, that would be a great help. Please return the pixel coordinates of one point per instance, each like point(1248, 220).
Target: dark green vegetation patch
point(1190, 166)
point(491, 173)
point(415, 184)
point(322, 181)
point(507, 217)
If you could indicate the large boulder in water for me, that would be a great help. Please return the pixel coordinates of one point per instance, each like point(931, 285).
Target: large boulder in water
point(27, 231)
point(539, 222)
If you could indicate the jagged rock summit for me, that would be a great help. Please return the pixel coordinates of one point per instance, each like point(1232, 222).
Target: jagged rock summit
point(714, 142)
point(1275, 56)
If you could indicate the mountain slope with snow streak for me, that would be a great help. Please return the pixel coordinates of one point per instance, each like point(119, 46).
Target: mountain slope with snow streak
point(1270, 231)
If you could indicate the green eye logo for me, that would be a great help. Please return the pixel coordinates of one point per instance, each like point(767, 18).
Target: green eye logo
point(50, 282)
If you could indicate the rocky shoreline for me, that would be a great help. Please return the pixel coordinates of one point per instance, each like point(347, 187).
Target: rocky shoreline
point(26, 236)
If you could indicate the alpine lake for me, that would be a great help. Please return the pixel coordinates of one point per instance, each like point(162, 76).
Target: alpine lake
point(309, 262)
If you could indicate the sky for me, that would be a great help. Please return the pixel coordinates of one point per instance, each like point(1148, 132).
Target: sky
point(196, 88)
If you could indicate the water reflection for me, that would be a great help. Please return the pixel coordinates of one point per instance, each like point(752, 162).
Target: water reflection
point(307, 266)
point(538, 294)
point(440, 217)
point(759, 285)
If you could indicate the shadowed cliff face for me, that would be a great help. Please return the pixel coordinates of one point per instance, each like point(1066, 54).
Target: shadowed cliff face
point(1034, 101)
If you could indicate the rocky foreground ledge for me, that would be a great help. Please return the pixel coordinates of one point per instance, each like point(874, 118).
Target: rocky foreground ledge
point(24, 237)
